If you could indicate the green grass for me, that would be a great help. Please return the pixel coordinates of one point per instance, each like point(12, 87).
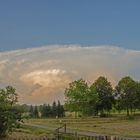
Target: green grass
point(26, 131)
point(114, 125)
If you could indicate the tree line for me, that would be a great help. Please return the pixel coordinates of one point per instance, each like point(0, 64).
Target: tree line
point(47, 110)
point(99, 98)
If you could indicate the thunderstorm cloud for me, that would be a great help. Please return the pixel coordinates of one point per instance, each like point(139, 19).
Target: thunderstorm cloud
point(41, 74)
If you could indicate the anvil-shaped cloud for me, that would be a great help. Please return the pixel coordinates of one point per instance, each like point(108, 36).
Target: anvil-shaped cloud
point(41, 74)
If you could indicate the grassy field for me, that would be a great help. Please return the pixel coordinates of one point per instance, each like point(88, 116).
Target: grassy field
point(30, 132)
point(113, 125)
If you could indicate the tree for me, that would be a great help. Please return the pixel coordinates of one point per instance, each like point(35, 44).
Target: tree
point(60, 109)
point(105, 95)
point(92, 100)
point(126, 91)
point(138, 96)
point(54, 109)
point(31, 111)
point(76, 95)
point(25, 108)
point(36, 113)
point(81, 98)
point(10, 115)
point(49, 111)
point(43, 110)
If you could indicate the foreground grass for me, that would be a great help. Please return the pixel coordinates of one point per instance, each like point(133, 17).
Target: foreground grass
point(114, 125)
point(26, 131)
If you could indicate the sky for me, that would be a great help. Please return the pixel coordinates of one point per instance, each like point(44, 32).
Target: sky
point(25, 24)
point(45, 45)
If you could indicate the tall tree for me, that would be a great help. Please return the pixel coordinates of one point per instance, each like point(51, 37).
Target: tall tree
point(31, 111)
point(36, 113)
point(10, 115)
point(76, 95)
point(105, 95)
point(54, 109)
point(60, 109)
point(126, 91)
point(138, 96)
point(43, 110)
point(49, 111)
point(92, 100)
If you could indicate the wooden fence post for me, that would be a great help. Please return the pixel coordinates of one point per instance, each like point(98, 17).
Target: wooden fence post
point(112, 138)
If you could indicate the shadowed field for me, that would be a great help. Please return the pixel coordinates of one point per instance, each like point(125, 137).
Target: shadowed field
point(114, 126)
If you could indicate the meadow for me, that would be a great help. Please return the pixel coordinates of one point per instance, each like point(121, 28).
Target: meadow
point(120, 126)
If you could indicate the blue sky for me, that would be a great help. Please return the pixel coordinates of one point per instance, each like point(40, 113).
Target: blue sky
point(32, 23)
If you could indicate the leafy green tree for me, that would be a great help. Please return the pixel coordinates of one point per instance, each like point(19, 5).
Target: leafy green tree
point(138, 96)
point(10, 115)
point(76, 95)
point(105, 95)
point(81, 98)
point(118, 105)
point(126, 91)
point(92, 100)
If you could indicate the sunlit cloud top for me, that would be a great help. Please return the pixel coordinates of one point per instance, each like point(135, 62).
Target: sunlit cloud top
point(41, 74)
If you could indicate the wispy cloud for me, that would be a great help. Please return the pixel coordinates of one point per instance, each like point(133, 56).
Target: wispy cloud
point(41, 74)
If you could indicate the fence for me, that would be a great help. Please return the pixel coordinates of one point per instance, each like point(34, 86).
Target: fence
point(77, 137)
point(29, 138)
point(73, 137)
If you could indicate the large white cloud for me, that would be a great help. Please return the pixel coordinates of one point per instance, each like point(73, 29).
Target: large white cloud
point(41, 74)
